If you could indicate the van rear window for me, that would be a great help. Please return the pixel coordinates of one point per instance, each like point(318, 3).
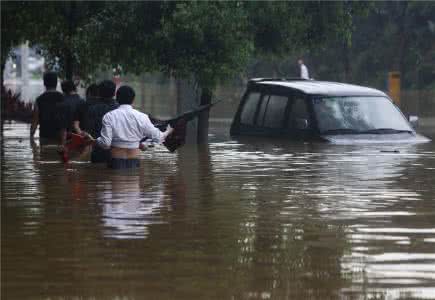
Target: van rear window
point(249, 108)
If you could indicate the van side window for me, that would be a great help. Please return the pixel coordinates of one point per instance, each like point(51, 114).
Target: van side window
point(275, 111)
point(262, 110)
point(298, 113)
point(249, 108)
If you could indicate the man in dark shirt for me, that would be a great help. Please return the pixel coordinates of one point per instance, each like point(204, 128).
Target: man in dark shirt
point(46, 113)
point(68, 108)
point(94, 118)
point(79, 119)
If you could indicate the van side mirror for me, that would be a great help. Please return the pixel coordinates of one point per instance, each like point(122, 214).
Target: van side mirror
point(301, 124)
point(413, 120)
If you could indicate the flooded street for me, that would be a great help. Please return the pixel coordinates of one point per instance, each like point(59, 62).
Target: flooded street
point(237, 219)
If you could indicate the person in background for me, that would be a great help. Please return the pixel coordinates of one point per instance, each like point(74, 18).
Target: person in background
point(79, 121)
point(68, 108)
point(303, 69)
point(46, 112)
point(94, 117)
point(124, 128)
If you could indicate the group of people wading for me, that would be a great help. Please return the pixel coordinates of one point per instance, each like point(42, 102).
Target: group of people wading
point(112, 126)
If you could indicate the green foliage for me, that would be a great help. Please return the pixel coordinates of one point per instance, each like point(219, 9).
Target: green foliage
point(15, 29)
point(284, 27)
point(64, 39)
point(124, 34)
point(58, 29)
point(207, 40)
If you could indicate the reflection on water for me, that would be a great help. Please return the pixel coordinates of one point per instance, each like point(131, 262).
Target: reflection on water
point(127, 207)
point(239, 219)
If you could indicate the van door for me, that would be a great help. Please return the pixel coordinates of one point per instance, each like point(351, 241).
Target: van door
point(299, 123)
point(271, 115)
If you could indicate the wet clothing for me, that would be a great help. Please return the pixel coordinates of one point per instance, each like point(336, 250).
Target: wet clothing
point(69, 108)
point(93, 123)
point(100, 155)
point(95, 113)
point(124, 163)
point(82, 110)
point(50, 118)
point(178, 137)
point(125, 127)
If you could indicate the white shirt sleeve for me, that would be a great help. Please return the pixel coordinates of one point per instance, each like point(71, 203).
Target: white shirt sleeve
point(105, 139)
point(149, 130)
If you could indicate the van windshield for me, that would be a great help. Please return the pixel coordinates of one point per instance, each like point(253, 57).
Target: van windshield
point(359, 115)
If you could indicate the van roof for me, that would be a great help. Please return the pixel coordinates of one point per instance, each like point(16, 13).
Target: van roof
point(314, 87)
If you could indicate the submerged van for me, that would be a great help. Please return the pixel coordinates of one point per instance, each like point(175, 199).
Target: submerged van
point(334, 112)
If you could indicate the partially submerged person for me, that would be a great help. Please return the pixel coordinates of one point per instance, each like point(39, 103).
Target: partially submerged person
point(94, 117)
point(79, 119)
point(46, 112)
point(124, 128)
point(71, 102)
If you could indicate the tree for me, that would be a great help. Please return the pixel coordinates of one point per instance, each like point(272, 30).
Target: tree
point(123, 33)
point(204, 42)
point(390, 36)
point(64, 37)
point(58, 29)
point(207, 42)
point(15, 18)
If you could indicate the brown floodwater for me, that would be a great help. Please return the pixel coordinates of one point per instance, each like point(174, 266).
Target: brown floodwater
point(236, 219)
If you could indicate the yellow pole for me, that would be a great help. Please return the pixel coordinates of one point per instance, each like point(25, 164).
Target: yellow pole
point(394, 86)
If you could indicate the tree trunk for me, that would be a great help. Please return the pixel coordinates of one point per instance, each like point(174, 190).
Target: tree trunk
point(203, 118)
point(188, 99)
point(346, 62)
point(3, 101)
point(68, 65)
point(179, 109)
point(402, 35)
point(69, 58)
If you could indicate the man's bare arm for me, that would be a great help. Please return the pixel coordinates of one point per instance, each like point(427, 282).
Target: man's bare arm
point(76, 126)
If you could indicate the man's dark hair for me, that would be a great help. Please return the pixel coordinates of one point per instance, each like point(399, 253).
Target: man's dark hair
point(125, 95)
point(92, 91)
point(107, 88)
point(68, 86)
point(50, 80)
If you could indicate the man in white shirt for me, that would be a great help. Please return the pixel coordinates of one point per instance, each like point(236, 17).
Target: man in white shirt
point(124, 128)
point(304, 69)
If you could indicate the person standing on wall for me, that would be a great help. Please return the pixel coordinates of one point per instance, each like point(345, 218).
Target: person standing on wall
point(303, 70)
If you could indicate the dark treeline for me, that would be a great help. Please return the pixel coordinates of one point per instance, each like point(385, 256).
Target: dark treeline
point(390, 36)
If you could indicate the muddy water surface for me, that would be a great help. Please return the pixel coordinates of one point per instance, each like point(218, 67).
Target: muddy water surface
point(238, 219)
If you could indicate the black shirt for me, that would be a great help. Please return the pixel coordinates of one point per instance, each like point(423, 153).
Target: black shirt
point(94, 115)
point(93, 122)
point(69, 108)
point(82, 110)
point(49, 114)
